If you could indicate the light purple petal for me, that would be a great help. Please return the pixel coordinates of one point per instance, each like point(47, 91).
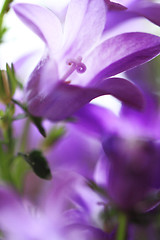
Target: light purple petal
point(149, 10)
point(115, 18)
point(12, 211)
point(26, 64)
point(124, 90)
point(90, 19)
point(43, 22)
point(92, 118)
point(88, 232)
point(121, 53)
point(42, 79)
point(65, 99)
point(81, 158)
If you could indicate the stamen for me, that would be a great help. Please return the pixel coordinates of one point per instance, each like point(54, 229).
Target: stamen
point(68, 81)
point(75, 65)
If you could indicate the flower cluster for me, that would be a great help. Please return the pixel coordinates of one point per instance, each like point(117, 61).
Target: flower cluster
point(71, 169)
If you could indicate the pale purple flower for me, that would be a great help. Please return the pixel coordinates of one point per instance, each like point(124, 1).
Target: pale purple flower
point(57, 213)
point(77, 66)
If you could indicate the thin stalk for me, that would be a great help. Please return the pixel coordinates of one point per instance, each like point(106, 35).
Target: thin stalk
point(122, 227)
point(24, 136)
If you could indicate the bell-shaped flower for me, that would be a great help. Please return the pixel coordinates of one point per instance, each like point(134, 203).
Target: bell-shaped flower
point(133, 153)
point(78, 65)
point(129, 166)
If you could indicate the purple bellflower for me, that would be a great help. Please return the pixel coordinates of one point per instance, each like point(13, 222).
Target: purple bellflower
point(78, 64)
point(130, 164)
point(133, 170)
point(133, 154)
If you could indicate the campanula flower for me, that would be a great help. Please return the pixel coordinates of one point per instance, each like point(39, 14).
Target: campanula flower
point(133, 154)
point(78, 65)
point(129, 166)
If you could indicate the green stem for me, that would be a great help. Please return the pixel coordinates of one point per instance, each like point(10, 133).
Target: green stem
point(20, 167)
point(9, 153)
point(24, 136)
point(4, 10)
point(5, 7)
point(122, 231)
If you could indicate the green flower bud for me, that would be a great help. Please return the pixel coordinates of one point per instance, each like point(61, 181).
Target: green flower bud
point(5, 93)
point(8, 84)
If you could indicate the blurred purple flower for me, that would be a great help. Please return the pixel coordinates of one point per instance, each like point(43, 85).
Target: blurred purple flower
point(78, 64)
point(134, 169)
point(54, 215)
point(133, 154)
point(129, 167)
point(76, 151)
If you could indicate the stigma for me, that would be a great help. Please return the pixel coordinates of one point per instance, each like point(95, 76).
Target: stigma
point(75, 65)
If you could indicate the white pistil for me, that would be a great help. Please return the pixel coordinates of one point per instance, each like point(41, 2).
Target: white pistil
point(75, 65)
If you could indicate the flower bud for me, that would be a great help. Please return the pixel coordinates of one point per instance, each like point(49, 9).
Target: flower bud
point(134, 169)
point(8, 84)
point(5, 93)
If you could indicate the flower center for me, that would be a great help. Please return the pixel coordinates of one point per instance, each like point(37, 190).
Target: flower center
point(75, 64)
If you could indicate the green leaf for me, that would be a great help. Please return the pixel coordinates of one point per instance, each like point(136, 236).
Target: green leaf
point(38, 163)
point(2, 32)
point(38, 122)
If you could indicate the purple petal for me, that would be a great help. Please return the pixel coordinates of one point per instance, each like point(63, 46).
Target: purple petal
point(115, 18)
point(149, 10)
point(121, 53)
point(81, 158)
point(92, 119)
point(133, 168)
point(88, 232)
point(43, 22)
point(12, 212)
point(124, 90)
point(112, 6)
point(136, 9)
point(65, 99)
point(90, 20)
point(42, 79)
point(26, 64)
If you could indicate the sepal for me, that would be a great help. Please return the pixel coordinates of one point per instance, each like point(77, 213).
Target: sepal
point(38, 163)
